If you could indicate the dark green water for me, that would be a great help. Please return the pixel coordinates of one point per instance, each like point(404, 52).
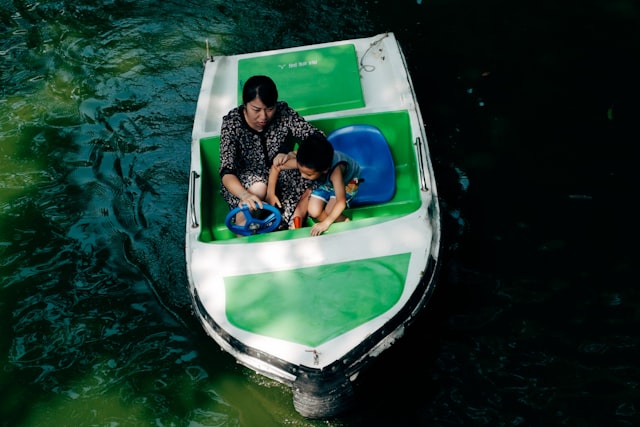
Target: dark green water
point(531, 112)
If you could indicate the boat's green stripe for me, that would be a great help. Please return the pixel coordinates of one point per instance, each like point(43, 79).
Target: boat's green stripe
point(312, 81)
point(312, 305)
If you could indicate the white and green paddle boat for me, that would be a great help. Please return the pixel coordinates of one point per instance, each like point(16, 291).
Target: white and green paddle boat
point(312, 312)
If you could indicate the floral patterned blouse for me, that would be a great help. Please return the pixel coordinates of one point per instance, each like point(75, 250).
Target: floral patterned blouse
point(244, 150)
point(248, 154)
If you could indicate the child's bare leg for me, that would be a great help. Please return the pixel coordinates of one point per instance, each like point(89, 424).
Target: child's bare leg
point(316, 209)
point(329, 208)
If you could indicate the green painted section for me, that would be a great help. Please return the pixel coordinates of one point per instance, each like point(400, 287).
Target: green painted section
point(394, 126)
point(312, 305)
point(312, 81)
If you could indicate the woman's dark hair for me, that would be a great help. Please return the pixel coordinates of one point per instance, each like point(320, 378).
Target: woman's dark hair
point(316, 153)
point(262, 87)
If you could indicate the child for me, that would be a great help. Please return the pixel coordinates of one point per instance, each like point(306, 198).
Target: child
point(336, 178)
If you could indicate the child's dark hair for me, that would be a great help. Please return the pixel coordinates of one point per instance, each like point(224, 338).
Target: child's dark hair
point(316, 153)
point(262, 87)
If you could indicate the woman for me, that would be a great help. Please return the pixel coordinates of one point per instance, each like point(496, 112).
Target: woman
point(254, 136)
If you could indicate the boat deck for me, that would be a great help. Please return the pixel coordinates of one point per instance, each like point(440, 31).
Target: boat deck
point(285, 305)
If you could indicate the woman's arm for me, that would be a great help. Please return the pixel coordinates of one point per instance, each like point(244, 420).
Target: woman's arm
point(228, 168)
point(235, 187)
point(228, 149)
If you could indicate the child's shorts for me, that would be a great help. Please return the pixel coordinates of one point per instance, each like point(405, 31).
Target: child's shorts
point(326, 191)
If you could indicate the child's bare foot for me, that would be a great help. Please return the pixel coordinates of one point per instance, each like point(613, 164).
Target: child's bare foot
point(342, 218)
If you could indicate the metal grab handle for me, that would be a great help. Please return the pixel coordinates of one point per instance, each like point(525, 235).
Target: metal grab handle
point(423, 179)
point(194, 218)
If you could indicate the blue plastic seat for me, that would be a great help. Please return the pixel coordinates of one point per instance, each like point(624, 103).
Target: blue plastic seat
point(368, 146)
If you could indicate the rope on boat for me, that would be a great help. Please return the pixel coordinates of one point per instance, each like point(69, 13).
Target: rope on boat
point(370, 68)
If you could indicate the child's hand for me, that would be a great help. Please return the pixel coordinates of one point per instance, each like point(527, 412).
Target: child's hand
point(319, 228)
point(280, 159)
point(273, 200)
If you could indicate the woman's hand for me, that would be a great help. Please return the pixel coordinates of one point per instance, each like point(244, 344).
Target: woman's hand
point(251, 200)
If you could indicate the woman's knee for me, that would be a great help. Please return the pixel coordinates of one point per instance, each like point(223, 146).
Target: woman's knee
point(259, 189)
